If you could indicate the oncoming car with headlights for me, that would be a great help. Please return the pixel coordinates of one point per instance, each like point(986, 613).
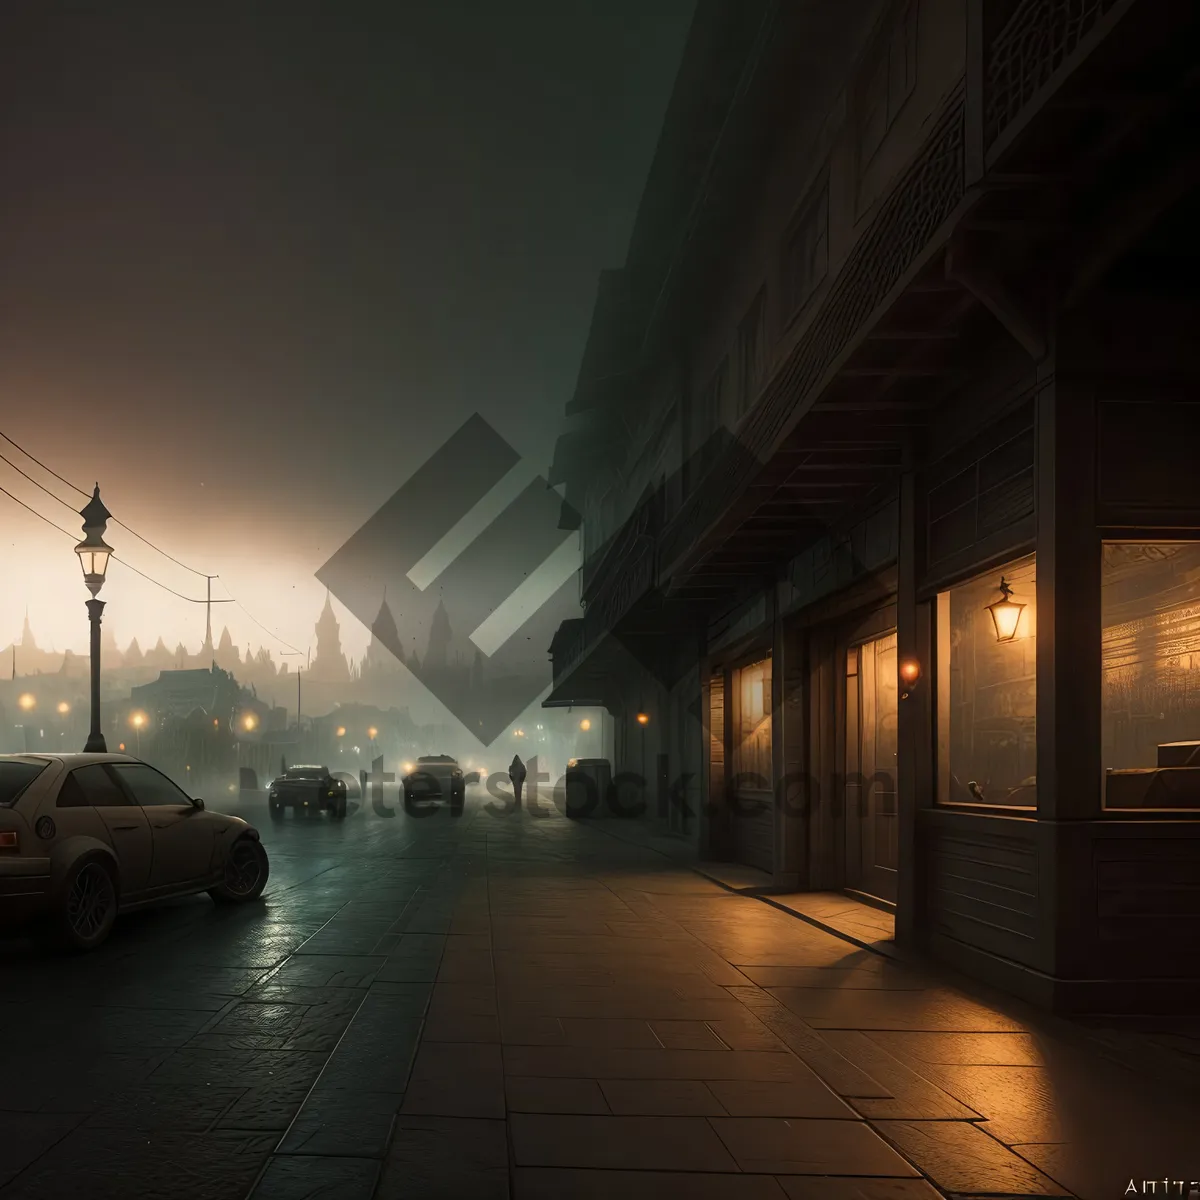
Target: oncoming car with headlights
point(311, 789)
point(84, 837)
point(438, 777)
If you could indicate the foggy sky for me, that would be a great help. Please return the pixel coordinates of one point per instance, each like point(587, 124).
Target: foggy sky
point(256, 265)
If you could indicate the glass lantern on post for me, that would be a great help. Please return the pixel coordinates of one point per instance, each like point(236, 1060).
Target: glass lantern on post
point(94, 553)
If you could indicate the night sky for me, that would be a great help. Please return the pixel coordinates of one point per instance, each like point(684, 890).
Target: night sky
point(257, 262)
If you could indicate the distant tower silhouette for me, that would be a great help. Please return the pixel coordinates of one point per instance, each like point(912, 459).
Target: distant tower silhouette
point(27, 639)
point(440, 637)
point(330, 662)
point(384, 650)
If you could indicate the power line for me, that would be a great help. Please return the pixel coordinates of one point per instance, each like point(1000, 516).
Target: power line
point(73, 487)
point(122, 525)
point(112, 557)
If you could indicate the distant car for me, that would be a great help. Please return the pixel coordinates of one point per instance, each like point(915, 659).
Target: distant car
point(86, 836)
point(307, 788)
point(438, 777)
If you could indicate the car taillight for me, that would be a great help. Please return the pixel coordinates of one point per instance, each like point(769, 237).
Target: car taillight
point(8, 839)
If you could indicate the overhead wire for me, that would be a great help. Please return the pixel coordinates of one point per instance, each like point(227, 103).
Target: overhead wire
point(128, 566)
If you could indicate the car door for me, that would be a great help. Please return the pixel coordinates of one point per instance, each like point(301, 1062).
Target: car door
point(92, 789)
point(182, 834)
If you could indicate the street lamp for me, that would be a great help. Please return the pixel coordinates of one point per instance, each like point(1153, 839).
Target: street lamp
point(94, 554)
point(137, 721)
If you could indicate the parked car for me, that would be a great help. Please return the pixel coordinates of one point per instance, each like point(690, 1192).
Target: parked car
point(438, 777)
point(84, 837)
point(307, 788)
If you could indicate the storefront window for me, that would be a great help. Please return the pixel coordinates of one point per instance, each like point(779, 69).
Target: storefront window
point(987, 689)
point(752, 744)
point(1150, 697)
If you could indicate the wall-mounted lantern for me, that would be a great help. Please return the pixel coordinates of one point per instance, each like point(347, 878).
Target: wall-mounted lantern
point(1006, 613)
point(910, 675)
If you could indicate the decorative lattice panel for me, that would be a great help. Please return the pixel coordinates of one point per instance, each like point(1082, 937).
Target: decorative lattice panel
point(1037, 41)
point(925, 197)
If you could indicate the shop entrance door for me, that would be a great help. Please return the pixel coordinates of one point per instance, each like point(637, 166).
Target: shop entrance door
point(872, 821)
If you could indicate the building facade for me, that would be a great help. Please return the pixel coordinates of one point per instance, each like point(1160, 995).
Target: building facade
point(882, 444)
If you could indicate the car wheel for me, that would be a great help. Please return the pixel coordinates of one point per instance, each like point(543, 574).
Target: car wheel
point(276, 811)
point(246, 872)
point(88, 907)
point(339, 808)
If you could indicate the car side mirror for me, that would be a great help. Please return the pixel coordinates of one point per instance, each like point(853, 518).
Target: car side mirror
point(198, 804)
point(472, 777)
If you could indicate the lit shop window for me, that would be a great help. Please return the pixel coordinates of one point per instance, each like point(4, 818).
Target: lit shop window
point(752, 745)
point(987, 689)
point(1150, 681)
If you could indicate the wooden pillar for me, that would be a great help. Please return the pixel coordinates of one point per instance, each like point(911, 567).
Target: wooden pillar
point(1068, 672)
point(1068, 604)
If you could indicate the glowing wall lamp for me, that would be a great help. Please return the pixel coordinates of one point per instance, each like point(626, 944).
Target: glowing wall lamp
point(1006, 613)
point(910, 675)
point(585, 724)
point(643, 718)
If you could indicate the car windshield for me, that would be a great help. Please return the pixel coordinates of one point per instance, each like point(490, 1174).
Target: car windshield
point(16, 774)
point(435, 758)
point(305, 773)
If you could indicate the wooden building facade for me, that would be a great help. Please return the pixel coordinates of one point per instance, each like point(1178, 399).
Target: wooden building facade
point(884, 438)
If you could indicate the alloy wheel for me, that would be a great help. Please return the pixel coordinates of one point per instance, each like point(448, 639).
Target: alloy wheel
point(242, 868)
point(91, 901)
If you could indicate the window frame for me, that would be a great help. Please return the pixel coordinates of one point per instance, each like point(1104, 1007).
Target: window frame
point(114, 770)
point(103, 767)
point(940, 612)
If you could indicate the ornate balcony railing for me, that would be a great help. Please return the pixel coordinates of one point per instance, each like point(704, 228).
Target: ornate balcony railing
point(923, 199)
point(1039, 39)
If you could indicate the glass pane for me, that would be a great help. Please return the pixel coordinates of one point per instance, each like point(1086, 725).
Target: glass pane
point(149, 787)
point(987, 691)
point(752, 742)
point(1150, 697)
point(96, 787)
point(15, 777)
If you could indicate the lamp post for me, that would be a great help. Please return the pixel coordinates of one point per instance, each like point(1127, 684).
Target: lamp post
point(93, 554)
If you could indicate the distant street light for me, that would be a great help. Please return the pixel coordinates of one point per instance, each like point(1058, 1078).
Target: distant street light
point(249, 722)
point(585, 724)
point(372, 733)
point(27, 702)
point(138, 720)
point(94, 553)
point(63, 708)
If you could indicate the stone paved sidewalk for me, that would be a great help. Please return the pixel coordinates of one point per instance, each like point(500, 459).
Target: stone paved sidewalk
point(603, 1024)
point(531, 1008)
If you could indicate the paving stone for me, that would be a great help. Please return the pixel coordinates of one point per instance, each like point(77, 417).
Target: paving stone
point(343, 1122)
point(114, 1164)
point(184, 1109)
point(757, 1098)
point(299, 1178)
point(618, 1143)
point(959, 1157)
point(808, 1147)
point(549, 1183)
point(808, 1187)
point(913, 1097)
point(446, 1159)
point(871, 976)
point(331, 970)
point(25, 1137)
point(462, 1027)
point(661, 1098)
point(933, 1010)
point(603, 1063)
point(524, 1093)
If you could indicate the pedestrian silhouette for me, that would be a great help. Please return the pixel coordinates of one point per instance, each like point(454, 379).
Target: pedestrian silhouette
point(516, 772)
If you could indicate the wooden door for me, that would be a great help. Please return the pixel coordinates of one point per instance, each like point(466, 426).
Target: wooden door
point(871, 715)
